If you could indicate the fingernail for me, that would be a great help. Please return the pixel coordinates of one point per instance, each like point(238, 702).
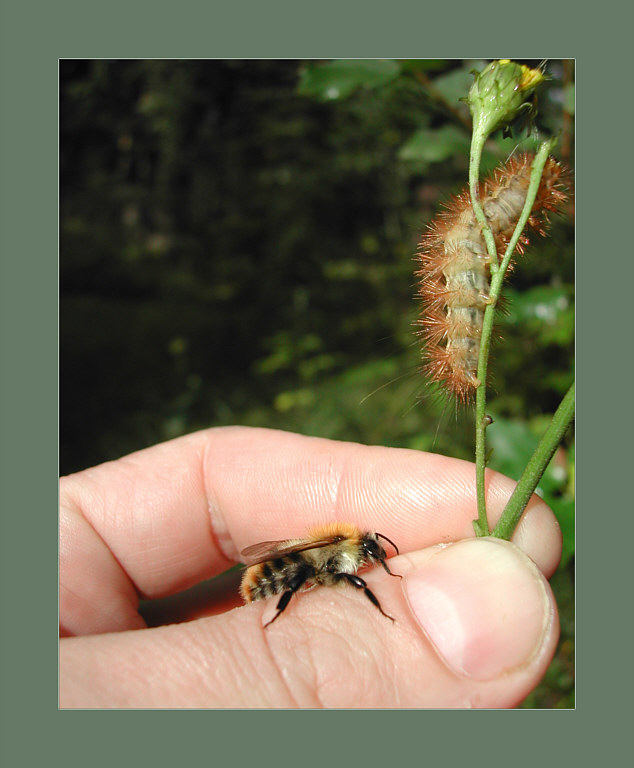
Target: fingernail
point(483, 605)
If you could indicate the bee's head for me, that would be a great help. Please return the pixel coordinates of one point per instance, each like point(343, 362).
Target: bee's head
point(374, 552)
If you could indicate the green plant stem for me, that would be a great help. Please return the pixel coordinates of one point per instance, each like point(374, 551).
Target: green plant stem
point(536, 466)
point(481, 525)
point(537, 170)
point(475, 158)
point(478, 140)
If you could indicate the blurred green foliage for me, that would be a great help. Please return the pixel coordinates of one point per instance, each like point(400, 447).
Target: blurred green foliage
point(236, 248)
point(339, 78)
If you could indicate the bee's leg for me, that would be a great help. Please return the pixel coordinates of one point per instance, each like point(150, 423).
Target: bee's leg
point(296, 583)
point(281, 605)
point(359, 583)
point(384, 564)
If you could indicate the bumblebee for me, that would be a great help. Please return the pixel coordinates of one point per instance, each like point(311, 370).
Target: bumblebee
point(329, 555)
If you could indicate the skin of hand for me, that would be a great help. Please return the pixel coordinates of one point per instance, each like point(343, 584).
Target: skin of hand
point(475, 624)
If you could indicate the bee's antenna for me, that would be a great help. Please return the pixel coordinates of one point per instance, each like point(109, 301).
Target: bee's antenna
point(380, 535)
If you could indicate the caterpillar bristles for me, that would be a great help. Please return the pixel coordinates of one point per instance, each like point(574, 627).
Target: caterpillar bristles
point(453, 267)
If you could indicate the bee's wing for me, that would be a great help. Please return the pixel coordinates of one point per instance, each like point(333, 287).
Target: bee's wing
point(256, 553)
point(268, 550)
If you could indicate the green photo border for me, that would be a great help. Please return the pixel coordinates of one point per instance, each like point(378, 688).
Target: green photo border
point(33, 37)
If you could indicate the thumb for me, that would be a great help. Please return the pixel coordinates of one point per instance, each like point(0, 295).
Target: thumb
point(490, 620)
point(475, 626)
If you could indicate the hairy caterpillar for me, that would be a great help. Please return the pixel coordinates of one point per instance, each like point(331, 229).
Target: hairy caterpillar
point(453, 268)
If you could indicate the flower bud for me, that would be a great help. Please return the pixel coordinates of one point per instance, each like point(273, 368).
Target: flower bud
point(499, 93)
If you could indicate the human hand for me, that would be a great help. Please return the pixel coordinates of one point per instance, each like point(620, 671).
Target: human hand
point(476, 623)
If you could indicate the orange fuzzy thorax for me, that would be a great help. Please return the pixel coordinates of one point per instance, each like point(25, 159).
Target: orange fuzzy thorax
point(344, 530)
point(453, 268)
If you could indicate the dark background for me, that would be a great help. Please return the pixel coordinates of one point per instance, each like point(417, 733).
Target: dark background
point(236, 248)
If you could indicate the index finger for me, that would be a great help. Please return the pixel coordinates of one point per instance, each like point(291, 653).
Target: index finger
point(157, 521)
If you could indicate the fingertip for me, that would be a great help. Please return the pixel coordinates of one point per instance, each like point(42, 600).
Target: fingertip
point(539, 535)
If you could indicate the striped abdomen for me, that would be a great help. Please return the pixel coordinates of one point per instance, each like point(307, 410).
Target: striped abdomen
point(272, 577)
